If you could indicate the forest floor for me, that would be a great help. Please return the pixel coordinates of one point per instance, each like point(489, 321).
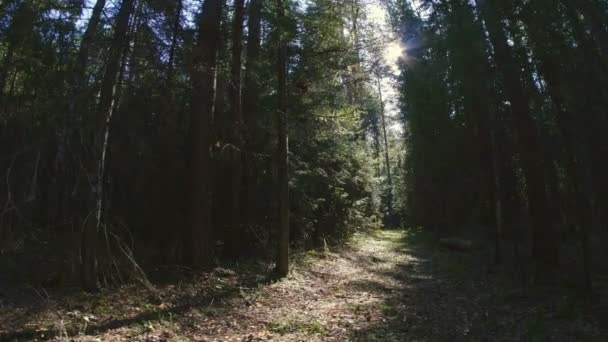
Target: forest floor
point(382, 286)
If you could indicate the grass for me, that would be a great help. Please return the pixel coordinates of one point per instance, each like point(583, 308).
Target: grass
point(389, 310)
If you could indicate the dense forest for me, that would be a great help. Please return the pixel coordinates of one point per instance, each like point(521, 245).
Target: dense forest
point(156, 132)
point(504, 106)
point(144, 138)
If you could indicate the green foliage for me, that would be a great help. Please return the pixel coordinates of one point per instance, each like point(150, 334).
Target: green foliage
point(389, 310)
point(50, 138)
point(332, 176)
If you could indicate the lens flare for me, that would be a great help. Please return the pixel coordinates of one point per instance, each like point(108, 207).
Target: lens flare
point(393, 52)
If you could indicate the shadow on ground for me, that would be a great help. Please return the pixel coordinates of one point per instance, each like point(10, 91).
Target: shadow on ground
point(452, 296)
point(384, 286)
point(74, 313)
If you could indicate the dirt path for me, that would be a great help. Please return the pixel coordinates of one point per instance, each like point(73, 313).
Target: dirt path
point(384, 286)
point(328, 296)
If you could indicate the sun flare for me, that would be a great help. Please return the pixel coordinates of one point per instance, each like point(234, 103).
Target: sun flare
point(393, 52)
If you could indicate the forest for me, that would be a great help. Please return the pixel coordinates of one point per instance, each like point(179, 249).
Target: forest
point(303, 170)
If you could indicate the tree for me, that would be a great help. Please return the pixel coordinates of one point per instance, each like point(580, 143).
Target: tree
point(250, 99)
point(282, 176)
point(204, 62)
point(387, 163)
point(545, 246)
point(105, 110)
point(233, 240)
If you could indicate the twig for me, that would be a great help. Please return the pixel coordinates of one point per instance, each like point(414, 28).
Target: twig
point(143, 279)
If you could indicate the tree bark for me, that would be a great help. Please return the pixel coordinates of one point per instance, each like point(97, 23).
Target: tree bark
point(233, 236)
point(545, 244)
point(385, 138)
point(250, 104)
point(541, 37)
point(282, 180)
point(77, 108)
point(386, 154)
point(104, 117)
point(476, 76)
point(204, 63)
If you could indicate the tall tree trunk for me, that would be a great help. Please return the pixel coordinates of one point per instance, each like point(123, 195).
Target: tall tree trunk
point(545, 244)
point(104, 116)
point(233, 238)
point(385, 136)
point(355, 76)
point(387, 162)
point(204, 63)
point(466, 34)
point(541, 37)
point(592, 131)
point(377, 157)
point(176, 32)
point(497, 198)
point(282, 180)
point(77, 107)
point(250, 104)
point(115, 54)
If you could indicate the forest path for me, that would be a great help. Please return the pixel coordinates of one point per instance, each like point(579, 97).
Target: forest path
point(381, 286)
point(388, 285)
point(350, 293)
